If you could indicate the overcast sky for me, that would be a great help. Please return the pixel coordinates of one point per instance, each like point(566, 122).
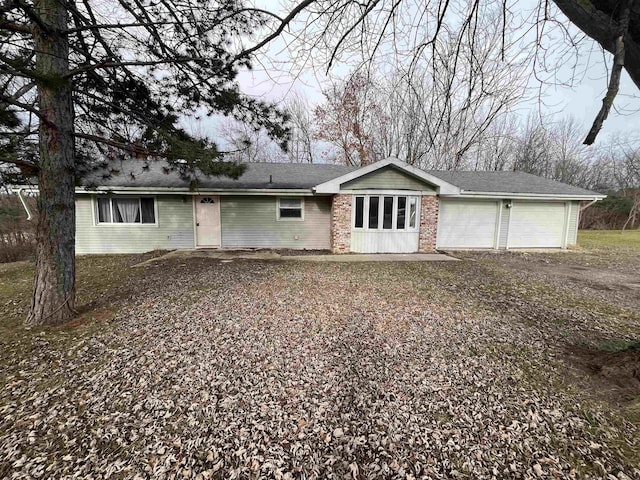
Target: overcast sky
point(582, 101)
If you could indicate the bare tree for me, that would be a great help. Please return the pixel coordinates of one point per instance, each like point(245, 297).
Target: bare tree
point(347, 118)
point(248, 144)
point(302, 147)
point(410, 32)
point(628, 176)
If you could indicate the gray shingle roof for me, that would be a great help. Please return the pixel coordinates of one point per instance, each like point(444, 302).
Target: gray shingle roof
point(256, 176)
point(307, 176)
point(507, 182)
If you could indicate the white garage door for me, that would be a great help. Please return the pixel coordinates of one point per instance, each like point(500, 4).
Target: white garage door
point(467, 224)
point(537, 224)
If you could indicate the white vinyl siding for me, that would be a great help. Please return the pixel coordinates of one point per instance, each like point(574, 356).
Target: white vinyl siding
point(574, 218)
point(387, 178)
point(504, 225)
point(173, 228)
point(537, 225)
point(467, 223)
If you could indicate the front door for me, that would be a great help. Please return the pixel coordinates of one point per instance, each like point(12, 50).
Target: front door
point(207, 208)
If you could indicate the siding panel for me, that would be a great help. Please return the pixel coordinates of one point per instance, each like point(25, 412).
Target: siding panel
point(174, 229)
point(251, 222)
point(387, 178)
point(504, 225)
point(574, 213)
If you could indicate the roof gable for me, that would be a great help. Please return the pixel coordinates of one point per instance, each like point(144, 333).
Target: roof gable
point(438, 184)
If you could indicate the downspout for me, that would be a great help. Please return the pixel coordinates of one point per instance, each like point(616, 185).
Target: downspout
point(582, 209)
point(589, 204)
point(24, 204)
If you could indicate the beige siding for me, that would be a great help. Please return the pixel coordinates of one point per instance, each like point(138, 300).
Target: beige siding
point(574, 214)
point(387, 178)
point(251, 222)
point(504, 225)
point(174, 229)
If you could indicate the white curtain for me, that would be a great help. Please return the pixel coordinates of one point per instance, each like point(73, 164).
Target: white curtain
point(104, 210)
point(129, 209)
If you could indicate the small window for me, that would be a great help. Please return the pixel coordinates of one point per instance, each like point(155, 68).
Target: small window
point(402, 208)
point(387, 214)
point(126, 210)
point(374, 204)
point(359, 220)
point(412, 212)
point(290, 208)
point(207, 200)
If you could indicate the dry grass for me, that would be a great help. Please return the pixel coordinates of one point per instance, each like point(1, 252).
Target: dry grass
point(291, 370)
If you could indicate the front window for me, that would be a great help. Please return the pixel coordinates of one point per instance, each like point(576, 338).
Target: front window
point(388, 212)
point(126, 210)
point(290, 208)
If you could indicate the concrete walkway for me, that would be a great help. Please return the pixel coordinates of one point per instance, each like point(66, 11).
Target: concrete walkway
point(374, 257)
point(230, 255)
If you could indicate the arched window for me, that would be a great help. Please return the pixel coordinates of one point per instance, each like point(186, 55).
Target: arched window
point(207, 200)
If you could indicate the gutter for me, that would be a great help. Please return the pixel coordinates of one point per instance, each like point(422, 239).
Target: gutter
point(24, 203)
point(183, 191)
point(589, 204)
point(525, 196)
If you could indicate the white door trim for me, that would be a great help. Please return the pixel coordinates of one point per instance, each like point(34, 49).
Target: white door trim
point(196, 199)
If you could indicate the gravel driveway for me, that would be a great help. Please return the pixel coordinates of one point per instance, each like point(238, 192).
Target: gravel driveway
point(296, 370)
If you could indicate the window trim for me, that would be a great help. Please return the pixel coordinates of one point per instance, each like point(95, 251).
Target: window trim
point(394, 219)
point(98, 223)
point(290, 219)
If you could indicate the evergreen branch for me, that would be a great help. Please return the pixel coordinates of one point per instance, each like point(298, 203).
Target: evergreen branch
point(133, 63)
point(116, 26)
point(15, 27)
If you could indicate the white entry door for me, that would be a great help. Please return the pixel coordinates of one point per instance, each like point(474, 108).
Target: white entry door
point(207, 213)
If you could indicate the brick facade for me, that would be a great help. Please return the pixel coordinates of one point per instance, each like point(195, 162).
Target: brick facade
point(341, 224)
point(429, 208)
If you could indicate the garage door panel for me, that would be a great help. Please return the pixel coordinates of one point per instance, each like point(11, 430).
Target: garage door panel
point(537, 225)
point(467, 224)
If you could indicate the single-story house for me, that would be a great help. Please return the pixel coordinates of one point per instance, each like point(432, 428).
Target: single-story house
point(388, 206)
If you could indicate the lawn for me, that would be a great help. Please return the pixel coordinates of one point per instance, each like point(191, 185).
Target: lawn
point(501, 365)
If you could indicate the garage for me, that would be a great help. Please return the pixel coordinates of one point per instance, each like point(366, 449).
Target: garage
point(537, 225)
point(467, 223)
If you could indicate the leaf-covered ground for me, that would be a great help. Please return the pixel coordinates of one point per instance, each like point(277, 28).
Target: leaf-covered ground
point(200, 369)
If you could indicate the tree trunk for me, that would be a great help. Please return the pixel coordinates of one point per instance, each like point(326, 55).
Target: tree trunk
point(54, 287)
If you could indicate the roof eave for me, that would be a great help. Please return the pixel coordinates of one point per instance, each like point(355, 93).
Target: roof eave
point(524, 196)
point(184, 191)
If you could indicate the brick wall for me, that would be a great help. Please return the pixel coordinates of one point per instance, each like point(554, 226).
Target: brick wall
point(429, 208)
point(341, 224)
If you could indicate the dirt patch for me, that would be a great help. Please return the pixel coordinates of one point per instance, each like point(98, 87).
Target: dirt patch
point(87, 316)
point(616, 374)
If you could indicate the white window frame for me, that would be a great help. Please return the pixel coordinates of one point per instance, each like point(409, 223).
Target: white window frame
point(290, 219)
point(394, 215)
point(96, 216)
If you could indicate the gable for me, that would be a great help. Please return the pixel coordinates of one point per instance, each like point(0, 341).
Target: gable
point(387, 178)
